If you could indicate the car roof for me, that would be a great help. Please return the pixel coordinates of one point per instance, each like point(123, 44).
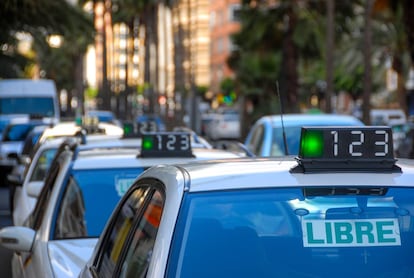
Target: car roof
point(128, 157)
point(311, 119)
point(70, 128)
point(243, 173)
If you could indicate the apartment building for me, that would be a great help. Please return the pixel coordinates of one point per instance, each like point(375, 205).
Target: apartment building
point(224, 21)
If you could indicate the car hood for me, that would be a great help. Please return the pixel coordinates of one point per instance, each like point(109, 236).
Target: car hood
point(68, 256)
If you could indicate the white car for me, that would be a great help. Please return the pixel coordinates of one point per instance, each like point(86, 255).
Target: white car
point(224, 125)
point(23, 200)
point(83, 185)
point(343, 208)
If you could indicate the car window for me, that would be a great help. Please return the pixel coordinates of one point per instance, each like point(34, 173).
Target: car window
point(118, 231)
point(138, 253)
point(42, 165)
point(90, 196)
point(292, 139)
point(71, 221)
point(39, 106)
point(295, 232)
point(35, 218)
point(257, 140)
point(17, 132)
point(231, 117)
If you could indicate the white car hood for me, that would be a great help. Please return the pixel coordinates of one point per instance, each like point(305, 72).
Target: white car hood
point(68, 257)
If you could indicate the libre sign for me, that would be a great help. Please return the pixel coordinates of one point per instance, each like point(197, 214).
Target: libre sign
point(351, 232)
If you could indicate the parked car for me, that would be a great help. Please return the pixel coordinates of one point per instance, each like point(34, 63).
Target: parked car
point(224, 125)
point(316, 215)
point(82, 187)
point(11, 144)
point(267, 136)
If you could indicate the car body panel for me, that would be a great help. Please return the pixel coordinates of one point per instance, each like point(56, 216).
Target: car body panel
point(69, 256)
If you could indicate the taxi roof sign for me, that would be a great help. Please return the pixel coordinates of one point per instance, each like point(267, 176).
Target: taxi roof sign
point(166, 144)
point(346, 149)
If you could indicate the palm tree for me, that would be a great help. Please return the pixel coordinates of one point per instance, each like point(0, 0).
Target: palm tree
point(144, 12)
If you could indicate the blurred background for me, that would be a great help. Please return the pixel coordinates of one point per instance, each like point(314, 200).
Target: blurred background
point(185, 60)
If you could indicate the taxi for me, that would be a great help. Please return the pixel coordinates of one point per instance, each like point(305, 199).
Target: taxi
point(81, 189)
point(23, 200)
point(343, 207)
point(85, 125)
point(24, 194)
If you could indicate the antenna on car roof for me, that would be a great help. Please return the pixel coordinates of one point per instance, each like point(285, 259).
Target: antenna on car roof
point(281, 119)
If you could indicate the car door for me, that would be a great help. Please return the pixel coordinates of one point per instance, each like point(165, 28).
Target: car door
point(126, 246)
point(35, 173)
point(22, 262)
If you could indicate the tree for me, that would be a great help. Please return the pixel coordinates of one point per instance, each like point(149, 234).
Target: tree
point(398, 17)
point(40, 18)
point(273, 43)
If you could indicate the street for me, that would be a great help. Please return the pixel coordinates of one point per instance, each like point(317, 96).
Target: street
point(5, 220)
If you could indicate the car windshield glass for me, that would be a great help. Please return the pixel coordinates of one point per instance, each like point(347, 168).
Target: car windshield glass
point(292, 138)
point(292, 134)
point(289, 233)
point(39, 106)
point(17, 132)
point(88, 200)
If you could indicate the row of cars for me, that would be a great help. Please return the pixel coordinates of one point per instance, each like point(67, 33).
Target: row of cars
point(340, 199)
point(75, 177)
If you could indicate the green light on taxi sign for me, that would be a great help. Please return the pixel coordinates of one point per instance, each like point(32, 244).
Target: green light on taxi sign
point(147, 143)
point(312, 143)
point(128, 128)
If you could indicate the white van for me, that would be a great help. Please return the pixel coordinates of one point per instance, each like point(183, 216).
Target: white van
point(38, 98)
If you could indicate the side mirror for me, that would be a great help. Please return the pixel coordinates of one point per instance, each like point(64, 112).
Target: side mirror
point(14, 180)
point(19, 239)
point(34, 188)
point(13, 155)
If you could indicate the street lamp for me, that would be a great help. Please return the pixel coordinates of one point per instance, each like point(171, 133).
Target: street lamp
point(55, 41)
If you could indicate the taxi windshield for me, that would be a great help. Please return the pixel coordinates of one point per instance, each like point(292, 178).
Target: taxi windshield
point(291, 232)
point(89, 199)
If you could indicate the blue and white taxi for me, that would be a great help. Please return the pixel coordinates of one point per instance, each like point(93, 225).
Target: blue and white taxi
point(24, 196)
point(343, 207)
point(81, 189)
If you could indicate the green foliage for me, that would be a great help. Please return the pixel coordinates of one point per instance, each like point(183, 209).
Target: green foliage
point(202, 90)
point(91, 93)
point(42, 18)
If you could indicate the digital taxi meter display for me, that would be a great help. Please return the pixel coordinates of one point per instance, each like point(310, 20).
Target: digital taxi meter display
point(166, 144)
point(346, 148)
